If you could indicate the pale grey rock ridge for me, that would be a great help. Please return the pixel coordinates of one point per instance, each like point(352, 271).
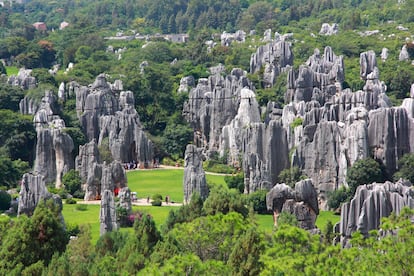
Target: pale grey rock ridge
point(107, 215)
point(53, 146)
point(23, 79)
point(194, 180)
point(301, 202)
point(212, 104)
point(372, 202)
point(275, 57)
point(33, 190)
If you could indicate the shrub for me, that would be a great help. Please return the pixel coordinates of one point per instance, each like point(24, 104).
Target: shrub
point(298, 121)
point(290, 176)
point(81, 207)
point(5, 200)
point(79, 194)
point(235, 181)
point(258, 201)
point(364, 171)
point(335, 198)
point(156, 202)
point(157, 197)
point(70, 201)
point(286, 218)
point(72, 181)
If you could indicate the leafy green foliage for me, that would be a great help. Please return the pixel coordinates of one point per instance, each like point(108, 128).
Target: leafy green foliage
point(258, 201)
point(72, 181)
point(175, 139)
point(5, 199)
point(405, 171)
point(224, 200)
point(10, 96)
point(364, 171)
point(235, 181)
point(335, 198)
point(290, 176)
point(33, 239)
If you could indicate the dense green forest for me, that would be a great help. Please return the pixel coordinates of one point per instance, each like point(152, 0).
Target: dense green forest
point(220, 236)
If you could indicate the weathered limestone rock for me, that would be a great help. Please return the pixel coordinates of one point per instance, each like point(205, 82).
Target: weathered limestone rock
point(319, 79)
point(101, 115)
point(127, 140)
point(265, 154)
point(212, 105)
point(276, 57)
point(53, 146)
point(125, 199)
point(371, 203)
point(367, 62)
point(301, 202)
point(107, 216)
point(227, 38)
point(23, 79)
point(384, 54)
point(88, 155)
point(186, 84)
point(328, 29)
point(33, 190)
point(389, 135)
point(194, 177)
point(404, 56)
point(247, 113)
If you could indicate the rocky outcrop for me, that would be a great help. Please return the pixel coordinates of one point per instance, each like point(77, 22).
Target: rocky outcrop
point(371, 203)
point(33, 190)
point(319, 79)
point(194, 180)
point(96, 177)
point(301, 202)
point(107, 215)
point(23, 79)
point(53, 146)
point(404, 55)
point(231, 136)
point(102, 116)
point(125, 199)
point(265, 154)
point(186, 84)
point(275, 57)
point(389, 135)
point(328, 29)
point(212, 104)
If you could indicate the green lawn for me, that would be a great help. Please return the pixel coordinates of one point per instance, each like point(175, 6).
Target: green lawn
point(12, 70)
point(163, 181)
point(91, 216)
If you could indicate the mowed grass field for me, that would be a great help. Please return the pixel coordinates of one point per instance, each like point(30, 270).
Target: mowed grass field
point(165, 182)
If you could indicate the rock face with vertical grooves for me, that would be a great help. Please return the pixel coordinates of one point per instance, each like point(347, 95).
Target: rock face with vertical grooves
point(371, 203)
point(107, 215)
point(33, 190)
point(302, 202)
point(105, 114)
point(275, 57)
point(212, 104)
point(23, 79)
point(53, 146)
point(194, 177)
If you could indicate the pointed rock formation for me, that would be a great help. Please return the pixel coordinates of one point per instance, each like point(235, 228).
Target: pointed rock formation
point(194, 177)
point(33, 190)
point(371, 203)
point(107, 215)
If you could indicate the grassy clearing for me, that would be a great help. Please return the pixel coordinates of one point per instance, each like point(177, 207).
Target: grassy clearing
point(164, 182)
point(91, 216)
point(12, 70)
point(324, 217)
